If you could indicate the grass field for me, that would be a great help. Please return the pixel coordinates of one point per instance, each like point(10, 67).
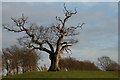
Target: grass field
point(67, 74)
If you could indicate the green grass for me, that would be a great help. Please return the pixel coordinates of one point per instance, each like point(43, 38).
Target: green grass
point(67, 74)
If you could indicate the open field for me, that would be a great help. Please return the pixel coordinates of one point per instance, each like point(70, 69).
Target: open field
point(68, 74)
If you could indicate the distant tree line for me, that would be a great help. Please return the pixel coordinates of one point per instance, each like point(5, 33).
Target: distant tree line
point(18, 60)
point(103, 63)
point(70, 64)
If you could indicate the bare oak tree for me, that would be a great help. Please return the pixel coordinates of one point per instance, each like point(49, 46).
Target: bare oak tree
point(54, 40)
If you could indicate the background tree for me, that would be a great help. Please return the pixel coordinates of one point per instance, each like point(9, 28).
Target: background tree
point(30, 61)
point(68, 64)
point(15, 58)
point(57, 37)
point(114, 67)
point(106, 63)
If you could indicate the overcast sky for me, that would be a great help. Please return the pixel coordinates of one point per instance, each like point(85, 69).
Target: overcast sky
point(99, 36)
point(60, 0)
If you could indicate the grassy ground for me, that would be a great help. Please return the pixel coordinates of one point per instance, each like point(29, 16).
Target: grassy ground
point(68, 74)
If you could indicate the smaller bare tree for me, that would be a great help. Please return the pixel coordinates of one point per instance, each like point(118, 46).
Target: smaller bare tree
point(105, 62)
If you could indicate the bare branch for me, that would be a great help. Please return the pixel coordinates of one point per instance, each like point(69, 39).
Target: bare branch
point(13, 30)
point(68, 14)
point(64, 43)
point(70, 28)
point(64, 47)
point(50, 45)
point(59, 19)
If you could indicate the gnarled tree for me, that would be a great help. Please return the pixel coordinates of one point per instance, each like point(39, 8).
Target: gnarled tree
point(53, 39)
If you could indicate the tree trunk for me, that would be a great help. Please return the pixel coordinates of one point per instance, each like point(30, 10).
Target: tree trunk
point(54, 58)
point(17, 70)
point(7, 70)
